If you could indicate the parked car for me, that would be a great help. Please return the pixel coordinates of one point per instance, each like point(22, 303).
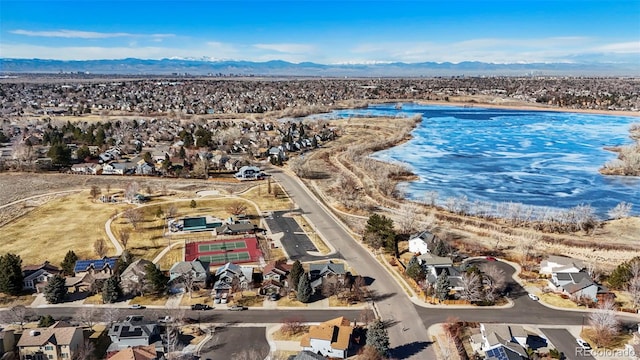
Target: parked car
point(274, 297)
point(165, 319)
point(583, 344)
point(200, 307)
point(136, 306)
point(490, 258)
point(533, 297)
point(237, 308)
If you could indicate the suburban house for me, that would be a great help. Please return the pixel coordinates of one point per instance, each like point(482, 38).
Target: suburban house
point(54, 342)
point(36, 277)
point(137, 353)
point(134, 331)
point(196, 270)
point(330, 338)
point(132, 278)
point(86, 169)
point(235, 229)
point(576, 284)
point(329, 271)
point(144, 168)
point(7, 341)
point(436, 265)
point(276, 270)
point(504, 342)
point(560, 264)
point(419, 243)
point(232, 276)
point(248, 173)
point(118, 168)
point(89, 272)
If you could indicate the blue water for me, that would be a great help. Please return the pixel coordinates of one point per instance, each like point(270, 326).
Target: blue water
point(538, 158)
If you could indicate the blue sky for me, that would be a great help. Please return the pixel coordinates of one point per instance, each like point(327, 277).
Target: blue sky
point(508, 31)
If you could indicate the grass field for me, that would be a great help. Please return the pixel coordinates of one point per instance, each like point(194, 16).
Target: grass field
point(9, 301)
point(198, 297)
point(173, 256)
point(72, 222)
point(265, 201)
point(149, 300)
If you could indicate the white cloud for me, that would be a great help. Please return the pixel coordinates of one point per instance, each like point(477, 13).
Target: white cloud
point(286, 48)
point(94, 52)
point(632, 47)
point(76, 34)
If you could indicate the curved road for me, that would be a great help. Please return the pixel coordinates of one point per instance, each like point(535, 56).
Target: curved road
point(407, 332)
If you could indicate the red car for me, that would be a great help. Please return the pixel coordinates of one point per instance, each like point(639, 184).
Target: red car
point(490, 258)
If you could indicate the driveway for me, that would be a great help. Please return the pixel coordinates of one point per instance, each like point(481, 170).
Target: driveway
point(566, 343)
point(236, 343)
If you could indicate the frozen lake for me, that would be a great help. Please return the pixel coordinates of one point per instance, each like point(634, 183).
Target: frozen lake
point(539, 158)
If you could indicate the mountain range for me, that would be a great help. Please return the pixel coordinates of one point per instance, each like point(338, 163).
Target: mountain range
point(199, 67)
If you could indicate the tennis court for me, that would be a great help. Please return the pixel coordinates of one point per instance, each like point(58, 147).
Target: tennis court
point(230, 245)
point(223, 251)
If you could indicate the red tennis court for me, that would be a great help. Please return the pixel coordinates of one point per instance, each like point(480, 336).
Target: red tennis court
point(240, 250)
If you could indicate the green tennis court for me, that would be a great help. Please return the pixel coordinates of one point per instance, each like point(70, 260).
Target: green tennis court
point(228, 257)
point(230, 245)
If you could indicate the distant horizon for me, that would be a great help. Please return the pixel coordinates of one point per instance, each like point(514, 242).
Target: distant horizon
point(324, 32)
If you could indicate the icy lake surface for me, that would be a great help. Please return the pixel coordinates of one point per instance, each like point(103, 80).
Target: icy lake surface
point(537, 158)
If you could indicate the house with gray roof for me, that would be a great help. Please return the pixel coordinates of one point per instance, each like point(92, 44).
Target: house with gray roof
point(196, 270)
point(502, 342)
point(133, 331)
point(560, 264)
point(232, 276)
point(576, 284)
point(329, 271)
point(419, 243)
point(132, 279)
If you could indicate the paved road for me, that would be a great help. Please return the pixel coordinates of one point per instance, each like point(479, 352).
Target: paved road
point(236, 343)
point(566, 343)
point(208, 316)
point(392, 303)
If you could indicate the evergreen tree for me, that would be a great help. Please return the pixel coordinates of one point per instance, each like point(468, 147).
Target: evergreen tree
point(378, 337)
point(415, 270)
point(69, 263)
point(620, 277)
point(183, 153)
point(440, 248)
point(442, 286)
point(111, 290)
point(193, 204)
point(60, 154)
point(296, 272)
point(11, 274)
point(379, 232)
point(55, 292)
point(304, 289)
point(156, 279)
point(46, 321)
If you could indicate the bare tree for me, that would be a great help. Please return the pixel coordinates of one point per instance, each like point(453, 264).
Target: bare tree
point(172, 211)
point(292, 326)
point(108, 188)
point(111, 315)
point(94, 192)
point(16, 315)
point(634, 283)
point(237, 208)
point(85, 351)
point(431, 197)
point(471, 284)
point(622, 210)
point(124, 237)
point(201, 168)
point(134, 216)
point(497, 278)
point(86, 315)
point(604, 323)
point(330, 288)
point(100, 247)
point(409, 213)
point(132, 190)
point(188, 279)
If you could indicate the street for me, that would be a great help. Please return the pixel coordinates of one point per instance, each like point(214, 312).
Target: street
point(391, 301)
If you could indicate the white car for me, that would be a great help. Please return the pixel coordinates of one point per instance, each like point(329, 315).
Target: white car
point(583, 344)
point(533, 297)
